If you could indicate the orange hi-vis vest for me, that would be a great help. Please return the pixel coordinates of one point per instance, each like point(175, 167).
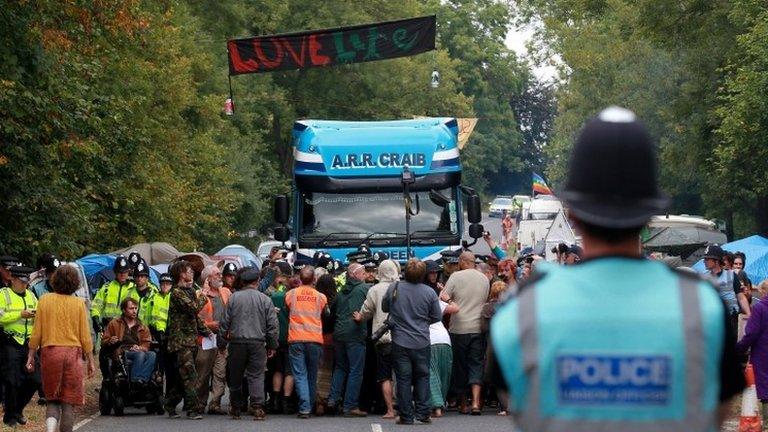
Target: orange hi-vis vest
point(206, 313)
point(305, 308)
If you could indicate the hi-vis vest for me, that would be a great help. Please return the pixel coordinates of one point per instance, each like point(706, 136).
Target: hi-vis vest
point(613, 344)
point(305, 308)
point(106, 303)
point(11, 306)
point(160, 305)
point(145, 303)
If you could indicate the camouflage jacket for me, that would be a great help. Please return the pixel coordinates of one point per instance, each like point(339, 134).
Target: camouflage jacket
point(184, 323)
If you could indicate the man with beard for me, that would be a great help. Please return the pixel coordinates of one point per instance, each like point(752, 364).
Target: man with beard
point(211, 364)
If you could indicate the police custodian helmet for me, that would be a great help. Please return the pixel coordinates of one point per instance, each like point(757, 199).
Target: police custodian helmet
point(121, 265)
point(229, 269)
point(612, 179)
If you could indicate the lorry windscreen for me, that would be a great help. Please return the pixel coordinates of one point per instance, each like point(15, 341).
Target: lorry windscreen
point(363, 213)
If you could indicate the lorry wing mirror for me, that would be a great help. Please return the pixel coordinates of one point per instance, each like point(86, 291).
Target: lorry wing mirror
point(476, 230)
point(281, 209)
point(282, 233)
point(474, 214)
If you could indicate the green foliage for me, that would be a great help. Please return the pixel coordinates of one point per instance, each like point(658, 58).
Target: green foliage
point(473, 32)
point(740, 155)
point(691, 70)
point(111, 130)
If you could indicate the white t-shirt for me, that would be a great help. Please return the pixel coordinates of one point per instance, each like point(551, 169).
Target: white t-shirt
point(437, 332)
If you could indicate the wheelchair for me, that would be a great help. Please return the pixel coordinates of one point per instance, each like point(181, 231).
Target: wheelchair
point(118, 391)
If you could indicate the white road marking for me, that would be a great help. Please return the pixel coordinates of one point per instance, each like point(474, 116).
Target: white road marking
point(375, 427)
point(85, 422)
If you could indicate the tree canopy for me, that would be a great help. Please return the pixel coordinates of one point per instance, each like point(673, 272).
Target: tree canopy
point(112, 125)
point(694, 71)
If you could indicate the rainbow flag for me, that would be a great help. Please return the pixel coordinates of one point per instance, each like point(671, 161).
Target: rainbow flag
point(540, 186)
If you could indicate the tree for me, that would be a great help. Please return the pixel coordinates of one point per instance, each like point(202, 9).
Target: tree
point(667, 61)
point(740, 179)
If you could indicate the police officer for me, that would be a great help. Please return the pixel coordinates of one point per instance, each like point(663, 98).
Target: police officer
point(134, 258)
point(47, 263)
point(17, 316)
point(6, 262)
point(362, 253)
point(228, 274)
point(616, 342)
point(106, 303)
point(450, 260)
point(160, 305)
point(143, 292)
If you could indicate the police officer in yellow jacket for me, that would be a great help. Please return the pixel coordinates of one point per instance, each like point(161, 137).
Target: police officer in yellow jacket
point(158, 322)
point(143, 292)
point(161, 301)
point(17, 316)
point(106, 302)
point(617, 342)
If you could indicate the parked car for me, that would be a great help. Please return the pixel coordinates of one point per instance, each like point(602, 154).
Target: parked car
point(499, 204)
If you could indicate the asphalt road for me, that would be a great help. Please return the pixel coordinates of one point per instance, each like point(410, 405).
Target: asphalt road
point(137, 421)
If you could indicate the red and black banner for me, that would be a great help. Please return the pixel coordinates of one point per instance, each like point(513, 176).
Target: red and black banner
point(362, 43)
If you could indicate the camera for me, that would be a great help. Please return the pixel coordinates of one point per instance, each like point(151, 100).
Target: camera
point(379, 333)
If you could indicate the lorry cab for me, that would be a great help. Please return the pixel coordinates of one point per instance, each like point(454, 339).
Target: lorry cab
point(349, 183)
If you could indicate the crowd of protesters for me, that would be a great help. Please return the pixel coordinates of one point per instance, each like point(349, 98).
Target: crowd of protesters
point(301, 340)
point(286, 339)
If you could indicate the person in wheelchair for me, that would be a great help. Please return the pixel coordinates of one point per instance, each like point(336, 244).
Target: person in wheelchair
point(127, 336)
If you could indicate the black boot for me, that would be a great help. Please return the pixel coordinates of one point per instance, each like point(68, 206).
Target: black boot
point(270, 405)
point(289, 405)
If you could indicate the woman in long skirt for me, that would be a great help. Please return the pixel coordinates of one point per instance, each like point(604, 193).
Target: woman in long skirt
point(63, 336)
point(441, 361)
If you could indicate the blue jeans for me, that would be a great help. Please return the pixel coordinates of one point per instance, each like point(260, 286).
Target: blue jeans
point(305, 359)
point(143, 364)
point(350, 360)
point(412, 368)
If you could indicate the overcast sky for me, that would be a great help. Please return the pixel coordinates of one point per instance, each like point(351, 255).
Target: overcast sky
point(516, 40)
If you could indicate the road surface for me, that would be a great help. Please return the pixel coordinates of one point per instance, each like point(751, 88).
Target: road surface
point(136, 421)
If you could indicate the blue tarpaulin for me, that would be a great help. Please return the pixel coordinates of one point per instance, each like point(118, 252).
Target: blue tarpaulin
point(756, 249)
point(98, 271)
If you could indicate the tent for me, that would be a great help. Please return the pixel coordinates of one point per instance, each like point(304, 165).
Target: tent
point(681, 240)
point(559, 232)
point(199, 260)
point(247, 258)
point(98, 271)
point(153, 253)
point(756, 249)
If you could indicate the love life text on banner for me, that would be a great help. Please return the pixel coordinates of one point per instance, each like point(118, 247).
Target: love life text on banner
point(343, 45)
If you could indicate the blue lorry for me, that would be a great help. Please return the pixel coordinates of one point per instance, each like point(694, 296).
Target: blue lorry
point(348, 189)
